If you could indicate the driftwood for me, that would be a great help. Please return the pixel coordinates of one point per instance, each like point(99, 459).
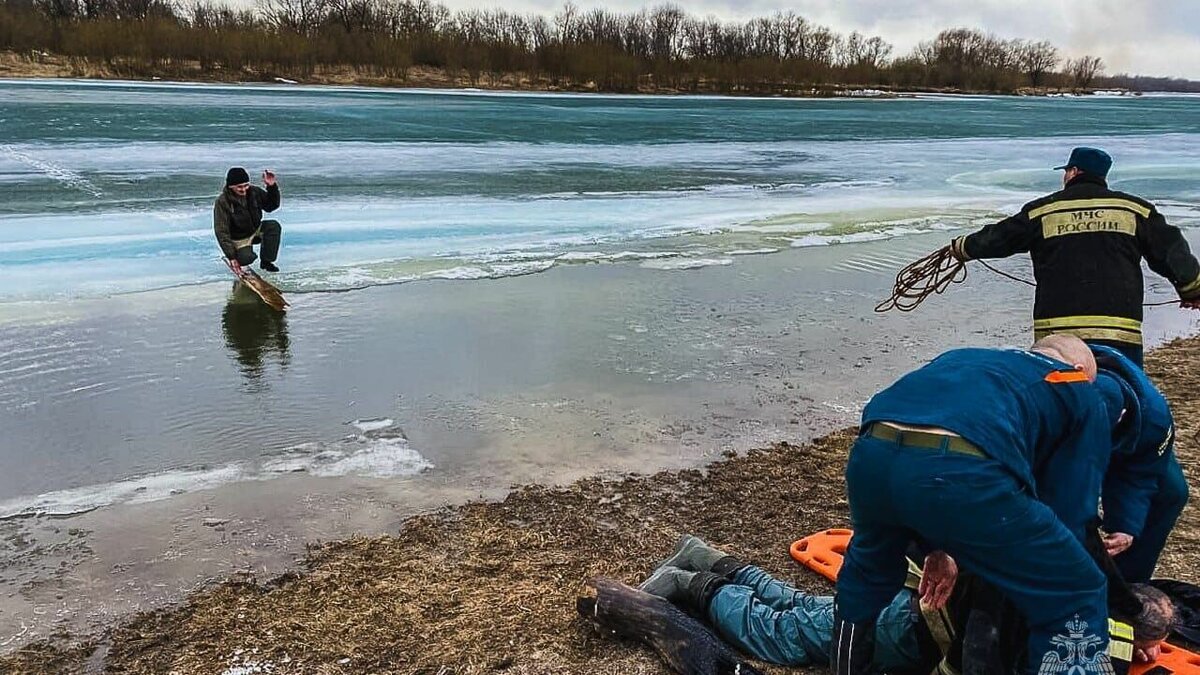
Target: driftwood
point(688, 647)
point(265, 290)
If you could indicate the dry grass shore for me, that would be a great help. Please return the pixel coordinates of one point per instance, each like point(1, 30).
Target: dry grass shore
point(490, 587)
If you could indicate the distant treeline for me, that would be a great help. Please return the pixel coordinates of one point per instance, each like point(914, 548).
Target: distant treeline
point(656, 49)
point(1143, 83)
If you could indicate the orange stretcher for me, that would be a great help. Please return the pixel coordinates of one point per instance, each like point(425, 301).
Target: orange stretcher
point(823, 552)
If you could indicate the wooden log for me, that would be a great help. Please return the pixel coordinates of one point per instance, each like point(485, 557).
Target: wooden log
point(687, 646)
point(265, 290)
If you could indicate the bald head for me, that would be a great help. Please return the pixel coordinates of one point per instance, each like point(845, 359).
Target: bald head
point(1068, 349)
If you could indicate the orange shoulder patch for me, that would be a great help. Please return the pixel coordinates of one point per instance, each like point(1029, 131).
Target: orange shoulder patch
point(1064, 376)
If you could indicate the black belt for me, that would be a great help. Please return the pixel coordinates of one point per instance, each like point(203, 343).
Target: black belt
point(924, 439)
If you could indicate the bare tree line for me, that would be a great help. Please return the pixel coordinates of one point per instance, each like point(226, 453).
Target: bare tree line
point(658, 48)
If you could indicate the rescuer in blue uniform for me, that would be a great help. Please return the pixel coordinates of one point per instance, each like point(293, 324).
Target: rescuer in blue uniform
point(1144, 490)
point(995, 457)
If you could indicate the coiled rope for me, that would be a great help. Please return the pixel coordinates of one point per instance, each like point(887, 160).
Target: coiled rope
point(935, 273)
point(932, 274)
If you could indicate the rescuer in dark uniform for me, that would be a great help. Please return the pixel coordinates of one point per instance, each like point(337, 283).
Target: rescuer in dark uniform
point(1087, 243)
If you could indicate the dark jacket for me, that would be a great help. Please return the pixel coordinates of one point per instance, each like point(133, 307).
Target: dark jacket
point(1186, 598)
point(1087, 243)
point(234, 219)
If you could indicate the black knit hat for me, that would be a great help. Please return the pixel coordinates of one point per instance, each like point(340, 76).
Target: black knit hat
point(236, 176)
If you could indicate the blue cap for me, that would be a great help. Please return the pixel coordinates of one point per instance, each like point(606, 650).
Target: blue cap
point(1089, 160)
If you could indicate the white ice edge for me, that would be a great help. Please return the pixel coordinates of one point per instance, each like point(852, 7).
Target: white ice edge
point(358, 454)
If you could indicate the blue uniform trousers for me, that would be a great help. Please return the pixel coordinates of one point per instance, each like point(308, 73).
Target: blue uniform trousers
point(1138, 562)
point(777, 623)
point(975, 510)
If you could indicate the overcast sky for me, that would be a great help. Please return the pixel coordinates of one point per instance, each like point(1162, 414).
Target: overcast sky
point(1148, 37)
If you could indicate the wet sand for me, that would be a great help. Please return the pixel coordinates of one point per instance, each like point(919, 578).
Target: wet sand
point(576, 378)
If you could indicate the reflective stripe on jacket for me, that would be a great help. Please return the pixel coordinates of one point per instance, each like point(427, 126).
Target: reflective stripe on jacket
point(1087, 243)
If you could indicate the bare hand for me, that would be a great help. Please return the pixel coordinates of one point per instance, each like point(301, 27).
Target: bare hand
point(1147, 654)
point(268, 177)
point(235, 267)
point(1117, 542)
point(937, 580)
point(955, 251)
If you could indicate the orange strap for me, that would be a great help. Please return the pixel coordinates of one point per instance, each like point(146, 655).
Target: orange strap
point(1064, 376)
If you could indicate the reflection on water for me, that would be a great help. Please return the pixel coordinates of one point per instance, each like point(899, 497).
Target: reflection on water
point(253, 332)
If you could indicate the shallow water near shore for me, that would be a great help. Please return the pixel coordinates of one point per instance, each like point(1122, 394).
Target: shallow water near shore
point(381, 403)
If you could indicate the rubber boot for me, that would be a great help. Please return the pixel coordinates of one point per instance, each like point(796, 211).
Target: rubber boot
point(852, 650)
point(691, 553)
point(688, 589)
point(668, 582)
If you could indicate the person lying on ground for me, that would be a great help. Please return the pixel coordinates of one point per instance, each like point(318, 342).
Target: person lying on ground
point(238, 220)
point(995, 457)
point(987, 634)
point(936, 622)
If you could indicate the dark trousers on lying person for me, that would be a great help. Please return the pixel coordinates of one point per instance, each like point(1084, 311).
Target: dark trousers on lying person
point(975, 510)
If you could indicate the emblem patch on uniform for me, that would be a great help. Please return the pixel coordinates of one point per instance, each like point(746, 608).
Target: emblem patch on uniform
point(1090, 220)
point(1076, 652)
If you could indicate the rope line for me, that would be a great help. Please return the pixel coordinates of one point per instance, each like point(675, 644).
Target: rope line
point(1006, 274)
point(934, 273)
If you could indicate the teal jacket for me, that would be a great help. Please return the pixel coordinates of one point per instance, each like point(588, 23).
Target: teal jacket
point(1038, 417)
point(1143, 443)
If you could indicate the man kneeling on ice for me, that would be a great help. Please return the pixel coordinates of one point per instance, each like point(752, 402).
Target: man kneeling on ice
point(238, 220)
point(937, 622)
